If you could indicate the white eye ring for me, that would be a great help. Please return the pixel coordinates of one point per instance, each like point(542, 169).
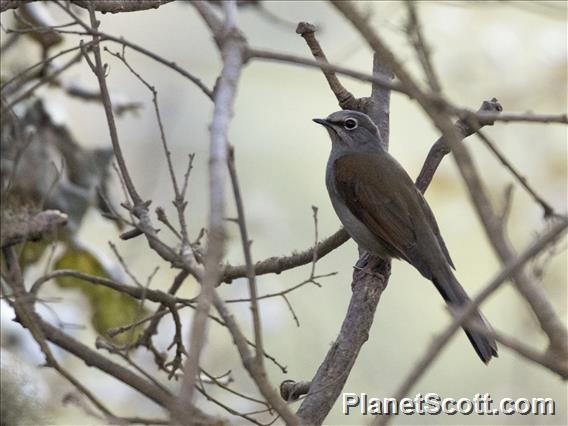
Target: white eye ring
point(350, 124)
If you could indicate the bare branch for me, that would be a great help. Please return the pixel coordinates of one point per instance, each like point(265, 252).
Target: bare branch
point(422, 50)
point(18, 230)
point(253, 368)
point(440, 148)
point(535, 295)
point(119, 6)
point(232, 43)
point(344, 97)
point(100, 74)
point(135, 292)
point(23, 73)
point(92, 358)
point(547, 208)
point(508, 271)
point(104, 6)
point(325, 66)
point(279, 264)
point(527, 117)
point(179, 196)
point(334, 370)
point(153, 326)
point(378, 107)
point(248, 259)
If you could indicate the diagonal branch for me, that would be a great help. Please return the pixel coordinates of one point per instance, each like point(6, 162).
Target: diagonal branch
point(414, 30)
point(100, 73)
point(514, 266)
point(279, 264)
point(344, 97)
point(232, 43)
point(441, 148)
point(546, 207)
point(535, 295)
point(248, 259)
point(255, 370)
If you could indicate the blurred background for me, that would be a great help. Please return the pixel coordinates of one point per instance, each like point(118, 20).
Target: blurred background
point(514, 51)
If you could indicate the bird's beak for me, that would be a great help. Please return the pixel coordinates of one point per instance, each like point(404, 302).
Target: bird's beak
point(322, 121)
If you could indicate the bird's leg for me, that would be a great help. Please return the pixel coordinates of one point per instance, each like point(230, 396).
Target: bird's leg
point(367, 264)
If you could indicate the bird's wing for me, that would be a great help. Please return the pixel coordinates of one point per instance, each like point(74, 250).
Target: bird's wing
point(434, 225)
point(361, 181)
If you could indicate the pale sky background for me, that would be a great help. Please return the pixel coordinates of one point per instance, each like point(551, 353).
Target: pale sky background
point(514, 51)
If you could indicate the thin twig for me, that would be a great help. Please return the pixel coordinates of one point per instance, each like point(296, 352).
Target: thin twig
point(311, 279)
point(547, 208)
point(440, 148)
point(100, 74)
point(209, 397)
point(252, 367)
point(254, 53)
point(23, 73)
point(495, 231)
point(216, 381)
point(344, 97)
point(179, 198)
point(422, 50)
point(44, 80)
point(246, 243)
point(162, 309)
point(170, 64)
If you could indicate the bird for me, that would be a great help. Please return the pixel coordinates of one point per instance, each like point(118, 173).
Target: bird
point(381, 208)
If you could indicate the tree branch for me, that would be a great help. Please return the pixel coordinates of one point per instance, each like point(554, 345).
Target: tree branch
point(232, 43)
point(104, 6)
point(279, 264)
point(441, 148)
point(514, 266)
point(256, 372)
point(332, 374)
point(344, 97)
point(248, 260)
point(18, 230)
point(496, 234)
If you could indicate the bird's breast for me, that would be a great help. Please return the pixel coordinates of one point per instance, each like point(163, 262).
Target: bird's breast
point(354, 227)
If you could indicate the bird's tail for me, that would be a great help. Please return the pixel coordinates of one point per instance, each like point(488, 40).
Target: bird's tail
point(455, 296)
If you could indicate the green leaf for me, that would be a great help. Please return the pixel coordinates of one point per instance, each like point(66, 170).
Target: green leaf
point(32, 252)
point(111, 309)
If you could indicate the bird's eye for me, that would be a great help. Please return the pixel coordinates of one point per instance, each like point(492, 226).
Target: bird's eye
point(350, 124)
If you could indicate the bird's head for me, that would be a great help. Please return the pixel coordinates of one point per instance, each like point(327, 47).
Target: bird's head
point(351, 131)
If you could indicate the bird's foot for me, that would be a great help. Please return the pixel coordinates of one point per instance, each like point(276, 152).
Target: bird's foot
point(368, 270)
